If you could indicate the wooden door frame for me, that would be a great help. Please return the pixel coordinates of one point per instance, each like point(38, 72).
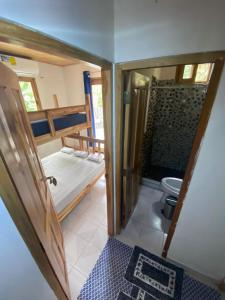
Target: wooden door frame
point(19, 35)
point(217, 58)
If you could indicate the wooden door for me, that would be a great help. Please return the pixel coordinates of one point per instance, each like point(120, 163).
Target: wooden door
point(136, 92)
point(18, 152)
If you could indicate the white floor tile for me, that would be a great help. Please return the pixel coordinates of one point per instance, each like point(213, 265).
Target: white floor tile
point(76, 281)
point(87, 229)
point(151, 240)
point(74, 246)
point(131, 233)
point(147, 225)
point(150, 215)
point(100, 238)
point(88, 259)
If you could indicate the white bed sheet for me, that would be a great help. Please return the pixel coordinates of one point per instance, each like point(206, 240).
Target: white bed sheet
point(72, 173)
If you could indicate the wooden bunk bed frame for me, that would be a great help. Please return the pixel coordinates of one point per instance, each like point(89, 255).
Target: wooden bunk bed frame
point(88, 144)
point(50, 114)
point(84, 145)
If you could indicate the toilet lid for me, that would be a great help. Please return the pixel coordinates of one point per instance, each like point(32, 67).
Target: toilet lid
point(173, 183)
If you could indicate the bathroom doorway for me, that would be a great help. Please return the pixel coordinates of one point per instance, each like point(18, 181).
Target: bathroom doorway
point(179, 101)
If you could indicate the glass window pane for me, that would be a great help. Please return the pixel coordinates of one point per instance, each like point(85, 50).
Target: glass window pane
point(202, 73)
point(98, 110)
point(188, 71)
point(28, 96)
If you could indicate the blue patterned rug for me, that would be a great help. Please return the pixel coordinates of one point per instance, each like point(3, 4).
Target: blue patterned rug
point(153, 277)
point(107, 281)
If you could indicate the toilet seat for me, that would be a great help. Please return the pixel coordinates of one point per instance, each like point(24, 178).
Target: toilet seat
point(171, 187)
point(172, 184)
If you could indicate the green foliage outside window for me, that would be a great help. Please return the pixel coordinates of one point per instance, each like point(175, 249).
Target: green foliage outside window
point(28, 96)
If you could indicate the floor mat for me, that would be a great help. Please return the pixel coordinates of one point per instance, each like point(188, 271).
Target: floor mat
point(154, 277)
point(107, 279)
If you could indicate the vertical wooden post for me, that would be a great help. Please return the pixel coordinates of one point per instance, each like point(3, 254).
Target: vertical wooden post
point(56, 105)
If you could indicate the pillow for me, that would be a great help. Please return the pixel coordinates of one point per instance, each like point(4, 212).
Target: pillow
point(96, 157)
point(67, 150)
point(82, 154)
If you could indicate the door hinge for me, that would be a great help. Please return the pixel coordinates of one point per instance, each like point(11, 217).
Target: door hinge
point(128, 172)
point(126, 97)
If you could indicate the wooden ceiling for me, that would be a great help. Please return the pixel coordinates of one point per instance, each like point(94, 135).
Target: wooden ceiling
point(21, 51)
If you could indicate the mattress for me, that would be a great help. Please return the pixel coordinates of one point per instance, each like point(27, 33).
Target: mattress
point(41, 127)
point(72, 173)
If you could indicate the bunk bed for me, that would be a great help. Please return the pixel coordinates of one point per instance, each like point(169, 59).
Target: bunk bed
point(56, 123)
point(75, 176)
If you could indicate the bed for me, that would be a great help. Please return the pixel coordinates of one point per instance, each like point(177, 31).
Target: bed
point(56, 123)
point(41, 127)
point(74, 175)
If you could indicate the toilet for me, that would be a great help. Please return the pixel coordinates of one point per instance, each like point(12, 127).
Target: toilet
point(171, 187)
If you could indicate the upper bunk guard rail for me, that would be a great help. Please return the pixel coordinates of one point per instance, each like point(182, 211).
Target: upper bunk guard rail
point(55, 112)
point(51, 114)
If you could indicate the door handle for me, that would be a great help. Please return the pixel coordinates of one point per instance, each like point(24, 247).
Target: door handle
point(52, 180)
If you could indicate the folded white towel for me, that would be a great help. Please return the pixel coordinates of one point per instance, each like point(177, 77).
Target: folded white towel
point(82, 154)
point(96, 157)
point(67, 150)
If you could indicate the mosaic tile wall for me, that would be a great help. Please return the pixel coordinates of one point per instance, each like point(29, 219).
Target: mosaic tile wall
point(172, 121)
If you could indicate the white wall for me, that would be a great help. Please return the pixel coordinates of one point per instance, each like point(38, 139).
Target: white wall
point(165, 73)
point(145, 29)
point(199, 238)
point(66, 82)
point(21, 278)
point(87, 24)
point(50, 81)
point(149, 28)
point(73, 76)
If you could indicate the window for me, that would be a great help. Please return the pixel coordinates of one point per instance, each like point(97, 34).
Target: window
point(30, 94)
point(96, 87)
point(196, 73)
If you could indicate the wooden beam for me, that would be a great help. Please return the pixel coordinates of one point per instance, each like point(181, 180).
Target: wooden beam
point(167, 61)
point(20, 35)
point(55, 112)
point(107, 116)
point(118, 142)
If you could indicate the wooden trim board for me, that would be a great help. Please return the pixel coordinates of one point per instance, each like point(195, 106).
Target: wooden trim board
point(31, 39)
point(107, 118)
point(213, 57)
point(167, 61)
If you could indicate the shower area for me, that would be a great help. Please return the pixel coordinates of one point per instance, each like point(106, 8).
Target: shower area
point(172, 118)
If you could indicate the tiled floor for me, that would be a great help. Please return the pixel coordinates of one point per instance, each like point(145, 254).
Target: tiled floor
point(147, 227)
point(85, 235)
point(85, 231)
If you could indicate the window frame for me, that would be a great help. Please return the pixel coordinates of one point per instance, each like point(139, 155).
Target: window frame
point(96, 80)
point(34, 88)
point(180, 72)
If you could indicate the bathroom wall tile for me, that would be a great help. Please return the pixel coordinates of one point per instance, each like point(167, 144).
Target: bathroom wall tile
point(173, 116)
